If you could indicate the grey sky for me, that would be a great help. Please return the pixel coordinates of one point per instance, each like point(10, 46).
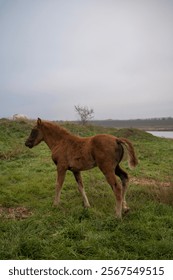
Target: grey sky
point(115, 56)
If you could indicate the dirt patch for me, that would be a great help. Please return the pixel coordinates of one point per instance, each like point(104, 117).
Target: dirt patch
point(149, 182)
point(14, 213)
point(159, 191)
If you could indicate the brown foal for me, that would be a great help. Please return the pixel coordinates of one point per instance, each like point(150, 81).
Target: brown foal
point(74, 153)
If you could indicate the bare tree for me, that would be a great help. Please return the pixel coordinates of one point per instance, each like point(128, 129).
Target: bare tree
point(84, 113)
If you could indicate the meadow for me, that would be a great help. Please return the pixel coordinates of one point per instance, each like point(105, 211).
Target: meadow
point(31, 228)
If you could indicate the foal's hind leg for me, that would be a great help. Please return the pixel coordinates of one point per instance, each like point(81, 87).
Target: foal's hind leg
point(78, 178)
point(124, 179)
point(117, 189)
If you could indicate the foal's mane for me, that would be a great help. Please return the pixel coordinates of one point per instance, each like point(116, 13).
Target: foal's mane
point(54, 128)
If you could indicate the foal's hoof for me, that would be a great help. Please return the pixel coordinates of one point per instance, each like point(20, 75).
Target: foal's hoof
point(55, 204)
point(86, 204)
point(118, 218)
point(126, 210)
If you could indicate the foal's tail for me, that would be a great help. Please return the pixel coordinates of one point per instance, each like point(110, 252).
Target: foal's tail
point(133, 161)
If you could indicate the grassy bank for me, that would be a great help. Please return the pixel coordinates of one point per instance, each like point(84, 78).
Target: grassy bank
point(30, 228)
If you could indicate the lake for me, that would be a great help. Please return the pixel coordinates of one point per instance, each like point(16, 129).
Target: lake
point(165, 134)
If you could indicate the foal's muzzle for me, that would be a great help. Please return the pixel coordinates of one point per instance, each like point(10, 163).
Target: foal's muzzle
point(28, 144)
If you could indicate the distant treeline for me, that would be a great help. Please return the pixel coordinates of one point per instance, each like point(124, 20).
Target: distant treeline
point(144, 124)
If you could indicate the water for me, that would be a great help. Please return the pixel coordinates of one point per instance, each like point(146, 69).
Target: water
point(165, 134)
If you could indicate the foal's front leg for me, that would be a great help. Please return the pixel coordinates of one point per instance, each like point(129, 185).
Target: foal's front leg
point(78, 178)
point(59, 183)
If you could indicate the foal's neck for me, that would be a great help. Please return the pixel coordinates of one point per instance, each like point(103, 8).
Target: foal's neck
point(53, 134)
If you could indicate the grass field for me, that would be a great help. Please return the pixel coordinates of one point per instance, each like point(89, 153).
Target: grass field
point(31, 228)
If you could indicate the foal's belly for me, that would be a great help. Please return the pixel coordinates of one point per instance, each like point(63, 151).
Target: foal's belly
point(81, 164)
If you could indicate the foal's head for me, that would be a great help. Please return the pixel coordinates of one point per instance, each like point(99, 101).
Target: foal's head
point(36, 135)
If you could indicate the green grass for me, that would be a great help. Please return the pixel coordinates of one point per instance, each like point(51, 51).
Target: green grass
point(27, 180)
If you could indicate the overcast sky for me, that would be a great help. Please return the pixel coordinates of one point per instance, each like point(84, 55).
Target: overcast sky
point(115, 56)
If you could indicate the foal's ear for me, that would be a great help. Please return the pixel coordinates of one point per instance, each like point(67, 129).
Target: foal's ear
point(38, 121)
